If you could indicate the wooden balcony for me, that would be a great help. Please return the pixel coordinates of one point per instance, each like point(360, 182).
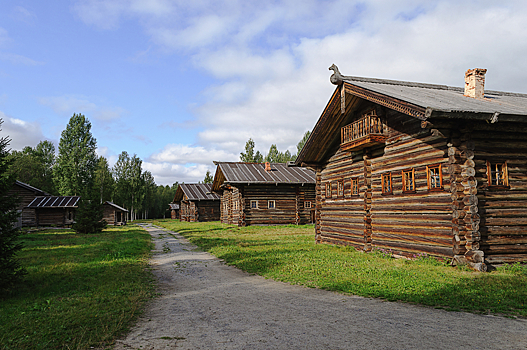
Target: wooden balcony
point(365, 132)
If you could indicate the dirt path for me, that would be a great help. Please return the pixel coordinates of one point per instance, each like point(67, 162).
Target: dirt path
point(205, 304)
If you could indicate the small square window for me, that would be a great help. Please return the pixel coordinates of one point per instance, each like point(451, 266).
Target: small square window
point(355, 187)
point(386, 180)
point(409, 180)
point(340, 187)
point(307, 205)
point(271, 204)
point(254, 204)
point(497, 174)
point(328, 189)
point(434, 177)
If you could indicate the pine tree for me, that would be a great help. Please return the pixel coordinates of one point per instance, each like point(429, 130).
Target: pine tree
point(10, 269)
point(208, 178)
point(248, 156)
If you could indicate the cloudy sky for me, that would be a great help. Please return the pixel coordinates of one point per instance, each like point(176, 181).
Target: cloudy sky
point(183, 83)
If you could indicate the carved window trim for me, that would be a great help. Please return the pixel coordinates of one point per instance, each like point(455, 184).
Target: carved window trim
point(328, 189)
point(340, 189)
point(271, 204)
point(254, 204)
point(408, 180)
point(386, 183)
point(307, 204)
point(497, 174)
point(434, 177)
point(354, 190)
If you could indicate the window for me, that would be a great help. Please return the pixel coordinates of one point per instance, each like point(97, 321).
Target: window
point(254, 204)
point(271, 204)
point(497, 174)
point(328, 189)
point(355, 187)
point(340, 189)
point(408, 181)
point(434, 177)
point(307, 205)
point(386, 180)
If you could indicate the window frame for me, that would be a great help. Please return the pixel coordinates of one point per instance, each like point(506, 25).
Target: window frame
point(439, 168)
point(307, 204)
point(254, 201)
point(354, 185)
point(328, 189)
point(340, 189)
point(403, 173)
point(383, 187)
point(504, 171)
point(269, 204)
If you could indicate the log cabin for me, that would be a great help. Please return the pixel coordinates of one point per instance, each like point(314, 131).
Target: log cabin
point(264, 194)
point(114, 214)
point(197, 203)
point(54, 210)
point(420, 168)
point(26, 194)
point(174, 210)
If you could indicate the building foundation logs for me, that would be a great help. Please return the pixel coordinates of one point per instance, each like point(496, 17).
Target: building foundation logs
point(367, 200)
point(318, 205)
point(465, 217)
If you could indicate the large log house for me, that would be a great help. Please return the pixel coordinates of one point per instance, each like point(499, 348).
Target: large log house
point(421, 168)
point(197, 203)
point(264, 194)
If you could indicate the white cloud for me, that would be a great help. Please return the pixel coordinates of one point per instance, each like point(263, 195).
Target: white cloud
point(20, 132)
point(69, 104)
point(22, 14)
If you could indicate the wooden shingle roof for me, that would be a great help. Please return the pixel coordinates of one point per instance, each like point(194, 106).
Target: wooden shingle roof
point(112, 204)
point(196, 192)
point(255, 173)
point(37, 191)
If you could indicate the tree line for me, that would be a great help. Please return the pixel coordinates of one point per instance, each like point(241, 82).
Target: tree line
point(76, 170)
point(274, 155)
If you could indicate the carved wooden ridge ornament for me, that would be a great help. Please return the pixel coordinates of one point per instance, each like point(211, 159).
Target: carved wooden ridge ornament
point(386, 101)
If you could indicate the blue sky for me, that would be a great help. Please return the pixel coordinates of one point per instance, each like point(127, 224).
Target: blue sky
point(183, 83)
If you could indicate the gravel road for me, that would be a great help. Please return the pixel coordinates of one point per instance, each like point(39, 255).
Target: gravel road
point(205, 304)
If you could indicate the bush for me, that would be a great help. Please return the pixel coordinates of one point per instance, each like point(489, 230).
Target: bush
point(88, 218)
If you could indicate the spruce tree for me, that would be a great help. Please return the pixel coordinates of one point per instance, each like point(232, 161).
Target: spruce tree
point(10, 269)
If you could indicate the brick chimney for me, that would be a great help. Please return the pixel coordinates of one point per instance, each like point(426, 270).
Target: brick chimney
point(475, 83)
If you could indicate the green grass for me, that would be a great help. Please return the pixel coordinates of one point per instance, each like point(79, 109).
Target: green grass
point(289, 254)
point(80, 290)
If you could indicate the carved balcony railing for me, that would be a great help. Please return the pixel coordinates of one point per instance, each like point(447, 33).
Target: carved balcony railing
point(362, 133)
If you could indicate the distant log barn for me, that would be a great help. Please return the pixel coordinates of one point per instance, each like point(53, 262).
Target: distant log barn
point(197, 203)
point(264, 194)
point(421, 168)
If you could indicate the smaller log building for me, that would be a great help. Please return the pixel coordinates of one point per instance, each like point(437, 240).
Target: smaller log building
point(114, 214)
point(174, 210)
point(265, 194)
point(26, 194)
point(54, 210)
point(197, 203)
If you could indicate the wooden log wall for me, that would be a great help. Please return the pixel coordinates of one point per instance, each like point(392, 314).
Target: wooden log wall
point(419, 221)
point(186, 211)
point(502, 210)
point(287, 199)
point(54, 216)
point(206, 210)
point(342, 218)
point(318, 206)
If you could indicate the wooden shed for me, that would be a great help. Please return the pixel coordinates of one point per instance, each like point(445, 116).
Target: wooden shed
point(174, 210)
point(54, 210)
point(197, 203)
point(422, 168)
point(114, 214)
point(26, 194)
point(264, 193)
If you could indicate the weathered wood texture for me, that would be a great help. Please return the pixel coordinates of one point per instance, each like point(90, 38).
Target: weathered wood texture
point(502, 214)
point(25, 196)
point(113, 216)
point(199, 211)
point(289, 204)
point(407, 223)
point(55, 216)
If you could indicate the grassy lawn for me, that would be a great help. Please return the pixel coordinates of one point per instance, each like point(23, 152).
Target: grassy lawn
point(80, 290)
point(289, 254)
